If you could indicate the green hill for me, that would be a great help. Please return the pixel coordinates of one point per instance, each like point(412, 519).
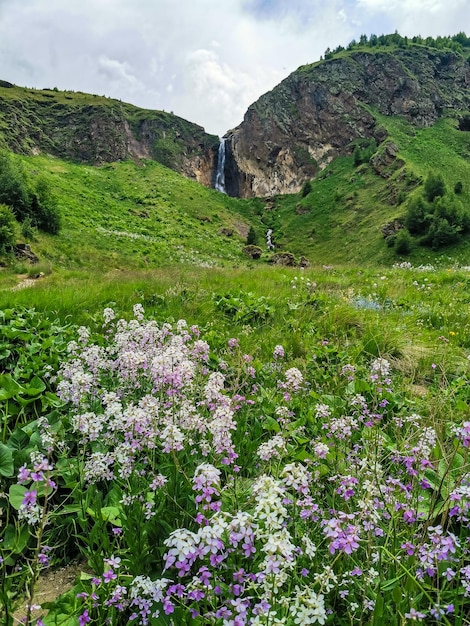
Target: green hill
point(107, 164)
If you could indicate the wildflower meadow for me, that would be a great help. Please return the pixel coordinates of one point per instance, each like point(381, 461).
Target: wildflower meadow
point(196, 481)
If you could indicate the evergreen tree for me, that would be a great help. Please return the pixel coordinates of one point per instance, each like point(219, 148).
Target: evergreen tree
point(252, 237)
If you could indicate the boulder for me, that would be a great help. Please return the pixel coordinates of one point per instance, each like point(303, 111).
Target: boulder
point(23, 252)
point(283, 258)
point(254, 252)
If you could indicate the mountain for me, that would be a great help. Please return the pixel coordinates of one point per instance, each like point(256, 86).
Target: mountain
point(93, 129)
point(330, 163)
point(319, 111)
point(289, 135)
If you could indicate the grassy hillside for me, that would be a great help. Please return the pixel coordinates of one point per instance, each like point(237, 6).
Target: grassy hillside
point(95, 129)
point(341, 218)
point(128, 215)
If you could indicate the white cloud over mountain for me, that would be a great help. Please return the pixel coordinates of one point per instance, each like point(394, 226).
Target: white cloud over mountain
point(205, 60)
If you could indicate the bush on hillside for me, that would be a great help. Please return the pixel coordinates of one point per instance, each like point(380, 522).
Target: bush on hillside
point(403, 242)
point(37, 205)
point(14, 187)
point(252, 237)
point(7, 229)
point(434, 186)
point(418, 216)
point(45, 213)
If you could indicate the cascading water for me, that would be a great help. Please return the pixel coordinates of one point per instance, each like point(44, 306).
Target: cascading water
point(220, 172)
point(269, 242)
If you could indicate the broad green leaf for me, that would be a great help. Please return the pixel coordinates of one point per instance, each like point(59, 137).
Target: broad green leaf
point(378, 609)
point(15, 541)
point(9, 388)
point(16, 495)
point(397, 595)
point(111, 514)
point(35, 387)
point(270, 424)
point(19, 440)
point(6, 460)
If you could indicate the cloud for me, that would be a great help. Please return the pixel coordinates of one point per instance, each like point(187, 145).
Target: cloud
point(419, 17)
point(205, 60)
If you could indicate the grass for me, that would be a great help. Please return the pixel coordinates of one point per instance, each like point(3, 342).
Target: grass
point(129, 215)
point(326, 319)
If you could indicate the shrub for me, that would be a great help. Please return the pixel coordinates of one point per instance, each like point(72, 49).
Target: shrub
point(403, 242)
point(434, 186)
point(39, 205)
point(252, 237)
point(458, 188)
point(13, 187)
point(45, 213)
point(441, 234)
point(418, 216)
point(28, 231)
point(7, 229)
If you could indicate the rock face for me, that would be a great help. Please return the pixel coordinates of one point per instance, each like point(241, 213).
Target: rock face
point(96, 130)
point(292, 132)
point(286, 137)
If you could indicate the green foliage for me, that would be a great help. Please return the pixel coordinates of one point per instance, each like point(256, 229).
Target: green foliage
point(14, 186)
point(37, 206)
point(403, 242)
point(28, 231)
point(306, 188)
point(434, 187)
point(252, 237)
point(439, 223)
point(244, 307)
point(364, 150)
point(418, 216)
point(44, 209)
point(7, 229)
point(459, 43)
point(458, 187)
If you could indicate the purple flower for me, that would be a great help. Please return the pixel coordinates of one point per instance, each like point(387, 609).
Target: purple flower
point(84, 618)
point(109, 575)
point(30, 497)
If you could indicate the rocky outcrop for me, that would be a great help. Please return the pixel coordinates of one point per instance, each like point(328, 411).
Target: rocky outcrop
point(295, 130)
point(93, 129)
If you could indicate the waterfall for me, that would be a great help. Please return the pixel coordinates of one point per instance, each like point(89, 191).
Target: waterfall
point(269, 242)
point(220, 173)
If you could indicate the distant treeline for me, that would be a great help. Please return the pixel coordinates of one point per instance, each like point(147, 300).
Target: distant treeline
point(459, 43)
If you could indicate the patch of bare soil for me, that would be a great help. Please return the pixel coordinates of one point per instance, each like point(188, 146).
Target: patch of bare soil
point(27, 282)
point(51, 584)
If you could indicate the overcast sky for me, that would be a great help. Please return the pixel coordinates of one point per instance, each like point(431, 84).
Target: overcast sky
point(205, 60)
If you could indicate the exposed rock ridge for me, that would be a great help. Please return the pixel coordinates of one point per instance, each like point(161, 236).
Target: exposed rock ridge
point(295, 130)
point(96, 130)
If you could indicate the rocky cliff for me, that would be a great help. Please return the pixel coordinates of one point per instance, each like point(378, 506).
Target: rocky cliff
point(316, 113)
point(94, 129)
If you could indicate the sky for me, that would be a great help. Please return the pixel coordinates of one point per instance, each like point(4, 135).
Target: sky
point(204, 60)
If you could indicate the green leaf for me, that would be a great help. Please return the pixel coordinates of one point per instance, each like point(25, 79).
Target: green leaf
point(388, 585)
point(36, 386)
point(6, 460)
point(16, 495)
point(271, 424)
point(111, 514)
point(15, 541)
point(19, 440)
point(361, 385)
point(397, 595)
point(378, 610)
point(9, 388)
